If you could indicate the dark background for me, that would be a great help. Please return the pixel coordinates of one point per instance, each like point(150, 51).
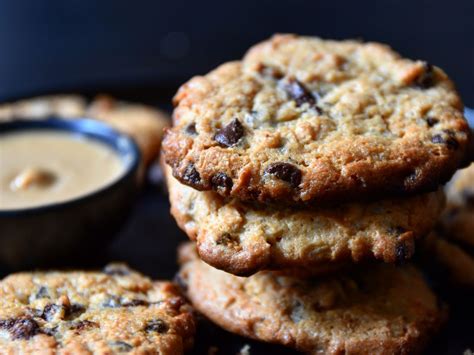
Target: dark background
point(90, 45)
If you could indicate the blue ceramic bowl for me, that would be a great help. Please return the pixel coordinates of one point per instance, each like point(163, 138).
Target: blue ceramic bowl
point(54, 233)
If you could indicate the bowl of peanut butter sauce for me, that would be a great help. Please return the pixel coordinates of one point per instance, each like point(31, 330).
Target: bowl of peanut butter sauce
point(66, 188)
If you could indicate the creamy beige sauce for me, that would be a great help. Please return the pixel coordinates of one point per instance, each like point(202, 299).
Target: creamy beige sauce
point(48, 166)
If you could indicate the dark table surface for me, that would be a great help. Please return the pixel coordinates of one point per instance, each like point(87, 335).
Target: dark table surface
point(149, 241)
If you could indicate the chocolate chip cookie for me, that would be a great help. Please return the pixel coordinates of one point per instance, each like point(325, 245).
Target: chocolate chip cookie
point(380, 310)
point(451, 247)
point(458, 219)
point(109, 312)
point(242, 239)
point(143, 123)
point(302, 119)
point(456, 261)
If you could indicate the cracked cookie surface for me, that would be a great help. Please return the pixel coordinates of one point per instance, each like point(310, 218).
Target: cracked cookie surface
point(301, 119)
point(110, 312)
point(243, 239)
point(381, 310)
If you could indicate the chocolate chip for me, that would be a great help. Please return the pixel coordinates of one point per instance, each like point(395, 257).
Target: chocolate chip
point(298, 92)
point(119, 345)
point(402, 253)
point(450, 141)
point(468, 197)
point(20, 328)
point(431, 121)
point(49, 311)
point(426, 78)
point(297, 311)
point(75, 310)
point(42, 293)
point(157, 325)
point(230, 135)
point(72, 311)
point(191, 175)
point(135, 303)
point(191, 129)
point(270, 72)
point(437, 139)
point(221, 181)
point(227, 239)
point(82, 325)
point(116, 269)
point(286, 172)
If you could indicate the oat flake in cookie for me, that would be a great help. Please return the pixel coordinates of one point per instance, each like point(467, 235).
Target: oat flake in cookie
point(109, 312)
point(243, 239)
point(381, 310)
point(301, 119)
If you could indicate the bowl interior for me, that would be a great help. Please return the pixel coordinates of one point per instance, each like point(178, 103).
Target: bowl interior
point(124, 146)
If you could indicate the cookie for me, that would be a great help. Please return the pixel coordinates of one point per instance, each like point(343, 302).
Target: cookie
point(454, 260)
point(378, 310)
point(302, 119)
point(143, 123)
point(243, 239)
point(109, 312)
point(458, 219)
point(451, 247)
point(43, 107)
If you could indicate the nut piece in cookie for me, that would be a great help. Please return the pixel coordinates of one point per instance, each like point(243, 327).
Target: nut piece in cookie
point(382, 309)
point(117, 310)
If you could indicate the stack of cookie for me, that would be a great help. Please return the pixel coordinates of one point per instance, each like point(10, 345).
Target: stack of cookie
point(299, 167)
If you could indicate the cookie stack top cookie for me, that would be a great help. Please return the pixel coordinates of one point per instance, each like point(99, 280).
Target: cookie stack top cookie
point(304, 120)
point(311, 153)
